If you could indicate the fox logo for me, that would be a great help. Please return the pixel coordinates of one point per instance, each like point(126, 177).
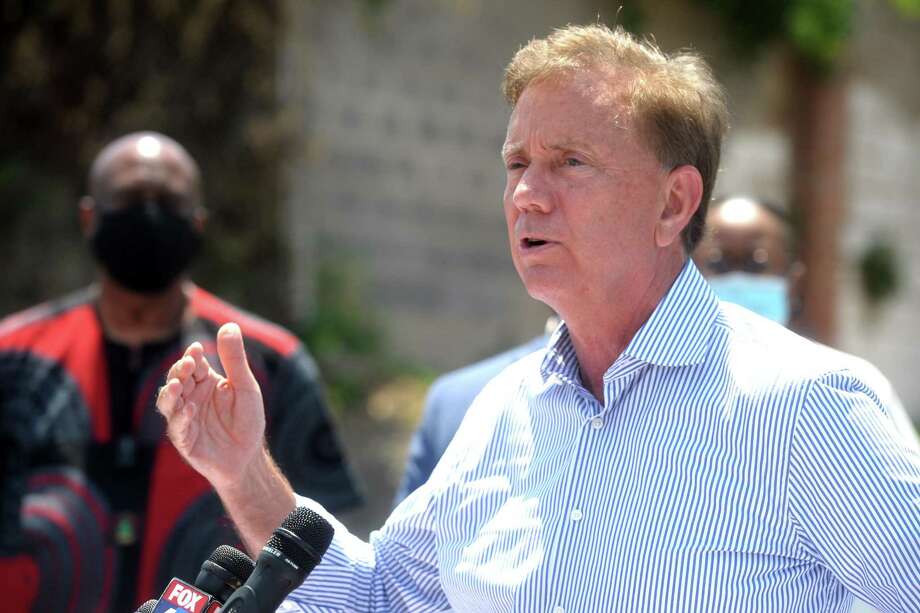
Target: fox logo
point(185, 596)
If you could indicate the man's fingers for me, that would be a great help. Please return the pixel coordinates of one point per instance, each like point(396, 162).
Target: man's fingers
point(182, 429)
point(181, 369)
point(169, 397)
point(202, 368)
point(223, 397)
point(233, 357)
point(194, 350)
point(188, 387)
point(201, 392)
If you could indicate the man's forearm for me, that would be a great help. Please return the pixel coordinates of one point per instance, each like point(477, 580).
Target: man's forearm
point(258, 501)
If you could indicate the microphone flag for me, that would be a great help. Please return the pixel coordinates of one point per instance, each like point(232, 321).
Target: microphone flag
point(182, 597)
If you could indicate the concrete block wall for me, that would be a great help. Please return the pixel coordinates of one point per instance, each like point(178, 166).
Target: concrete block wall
point(400, 169)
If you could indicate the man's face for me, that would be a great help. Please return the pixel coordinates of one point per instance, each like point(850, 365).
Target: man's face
point(742, 236)
point(147, 171)
point(143, 220)
point(745, 256)
point(583, 193)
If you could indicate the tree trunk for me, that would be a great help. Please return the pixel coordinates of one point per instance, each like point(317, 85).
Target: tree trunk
point(818, 131)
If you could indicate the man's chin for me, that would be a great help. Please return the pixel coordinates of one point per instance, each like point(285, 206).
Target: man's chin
point(543, 286)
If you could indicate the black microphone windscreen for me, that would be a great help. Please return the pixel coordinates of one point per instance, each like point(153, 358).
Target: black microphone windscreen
point(294, 549)
point(309, 526)
point(300, 556)
point(303, 538)
point(233, 560)
point(147, 607)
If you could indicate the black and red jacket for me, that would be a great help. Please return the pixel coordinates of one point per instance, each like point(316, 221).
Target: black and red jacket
point(55, 413)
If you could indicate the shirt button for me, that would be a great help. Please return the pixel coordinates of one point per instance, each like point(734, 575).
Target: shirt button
point(558, 610)
point(597, 423)
point(576, 515)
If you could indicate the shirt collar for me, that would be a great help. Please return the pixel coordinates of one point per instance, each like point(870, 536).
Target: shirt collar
point(676, 334)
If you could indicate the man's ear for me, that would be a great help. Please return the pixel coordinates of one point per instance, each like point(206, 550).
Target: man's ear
point(683, 192)
point(87, 213)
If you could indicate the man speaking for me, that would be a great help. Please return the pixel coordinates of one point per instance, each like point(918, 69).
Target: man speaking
point(666, 452)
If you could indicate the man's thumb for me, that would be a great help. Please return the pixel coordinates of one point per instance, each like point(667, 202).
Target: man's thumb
point(233, 357)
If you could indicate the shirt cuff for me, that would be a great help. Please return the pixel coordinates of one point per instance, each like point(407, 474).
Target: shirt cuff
point(342, 580)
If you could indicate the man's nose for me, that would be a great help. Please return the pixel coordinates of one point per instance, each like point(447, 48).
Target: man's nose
point(533, 191)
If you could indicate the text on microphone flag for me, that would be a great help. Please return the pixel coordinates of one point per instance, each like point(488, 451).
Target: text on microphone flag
point(180, 597)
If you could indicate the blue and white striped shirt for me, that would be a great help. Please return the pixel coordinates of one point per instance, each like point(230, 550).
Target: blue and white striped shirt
point(733, 466)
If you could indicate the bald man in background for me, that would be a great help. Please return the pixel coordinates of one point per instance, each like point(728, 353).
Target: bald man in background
point(99, 510)
point(749, 257)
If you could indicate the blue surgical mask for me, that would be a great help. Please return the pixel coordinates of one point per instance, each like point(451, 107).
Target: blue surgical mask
point(766, 295)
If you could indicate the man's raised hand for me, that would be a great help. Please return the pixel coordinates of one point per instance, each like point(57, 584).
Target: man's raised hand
point(217, 423)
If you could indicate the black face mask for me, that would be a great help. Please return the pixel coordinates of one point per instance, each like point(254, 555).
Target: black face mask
point(145, 245)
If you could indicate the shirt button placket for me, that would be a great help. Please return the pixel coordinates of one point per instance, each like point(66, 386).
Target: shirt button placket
point(558, 609)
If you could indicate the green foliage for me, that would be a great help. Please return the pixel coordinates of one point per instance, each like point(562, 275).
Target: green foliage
point(375, 7)
point(907, 8)
point(341, 322)
point(345, 337)
point(816, 29)
point(880, 271)
point(751, 24)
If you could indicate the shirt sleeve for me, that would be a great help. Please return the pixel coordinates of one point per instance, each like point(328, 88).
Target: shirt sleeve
point(302, 438)
point(396, 571)
point(854, 492)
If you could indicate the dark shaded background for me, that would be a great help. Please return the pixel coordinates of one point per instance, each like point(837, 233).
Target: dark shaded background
point(75, 74)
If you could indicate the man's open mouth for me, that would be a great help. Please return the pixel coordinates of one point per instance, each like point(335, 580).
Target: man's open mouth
point(529, 243)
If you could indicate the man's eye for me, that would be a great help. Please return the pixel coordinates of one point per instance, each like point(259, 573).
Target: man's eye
point(573, 162)
point(514, 165)
point(753, 266)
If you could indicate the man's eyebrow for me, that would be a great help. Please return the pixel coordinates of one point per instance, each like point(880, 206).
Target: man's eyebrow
point(509, 149)
point(569, 145)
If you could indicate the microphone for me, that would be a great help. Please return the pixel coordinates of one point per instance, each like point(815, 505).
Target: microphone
point(224, 572)
point(221, 574)
point(147, 607)
point(292, 552)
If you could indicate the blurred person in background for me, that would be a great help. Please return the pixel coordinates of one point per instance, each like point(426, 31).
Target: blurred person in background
point(666, 451)
point(749, 256)
point(99, 510)
point(447, 401)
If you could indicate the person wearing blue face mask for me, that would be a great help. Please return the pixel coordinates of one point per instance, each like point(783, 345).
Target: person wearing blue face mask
point(747, 257)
